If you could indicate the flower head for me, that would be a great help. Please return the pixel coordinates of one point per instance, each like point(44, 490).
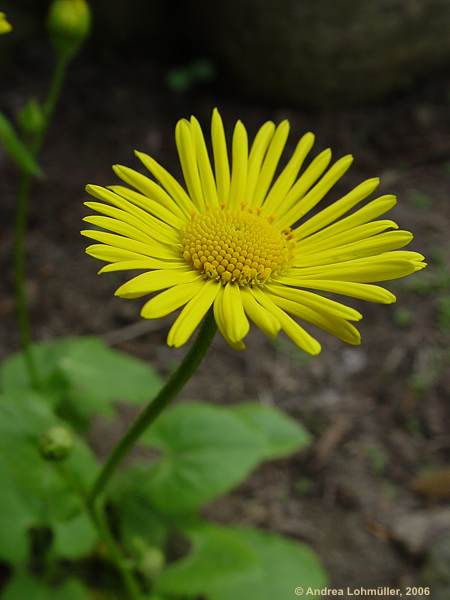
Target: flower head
point(240, 241)
point(5, 26)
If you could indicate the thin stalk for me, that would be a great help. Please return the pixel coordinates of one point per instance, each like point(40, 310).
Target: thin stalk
point(173, 386)
point(98, 518)
point(22, 222)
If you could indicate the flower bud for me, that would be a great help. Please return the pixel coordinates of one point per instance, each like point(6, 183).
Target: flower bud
point(31, 118)
point(69, 24)
point(5, 26)
point(151, 562)
point(56, 443)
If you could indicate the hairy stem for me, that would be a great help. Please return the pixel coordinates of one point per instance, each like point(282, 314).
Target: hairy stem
point(173, 386)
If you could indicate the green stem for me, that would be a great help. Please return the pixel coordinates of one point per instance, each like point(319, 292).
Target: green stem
point(99, 520)
point(97, 516)
point(21, 226)
point(174, 384)
point(19, 276)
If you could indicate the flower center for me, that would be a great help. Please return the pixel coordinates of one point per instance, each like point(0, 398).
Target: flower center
point(238, 246)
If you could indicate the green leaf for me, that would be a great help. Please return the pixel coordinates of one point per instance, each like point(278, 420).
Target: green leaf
point(34, 492)
point(74, 538)
point(25, 587)
point(83, 377)
point(218, 557)
point(240, 563)
point(282, 435)
point(138, 520)
point(16, 149)
point(206, 450)
point(284, 565)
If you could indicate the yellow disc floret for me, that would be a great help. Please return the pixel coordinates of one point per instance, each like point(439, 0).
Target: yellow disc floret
point(237, 246)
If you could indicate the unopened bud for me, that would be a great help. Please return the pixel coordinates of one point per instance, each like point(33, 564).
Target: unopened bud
point(31, 118)
point(69, 24)
point(151, 562)
point(56, 443)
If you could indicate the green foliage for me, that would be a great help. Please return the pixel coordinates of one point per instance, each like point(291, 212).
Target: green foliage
point(16, 149)
point(206, 451)
point(195, 452)
point(25, 587)
point(35, 493)
point(281, 434)
point(238, 564)
point(74, 538)
point(82, 377)
point(218, 558)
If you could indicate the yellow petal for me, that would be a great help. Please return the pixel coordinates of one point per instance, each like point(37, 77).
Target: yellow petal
point(315, 194)
point(338, 327)
point(204, 165)
point(141, 264)
point(171, 299)
point(192, 314)
point(338, 208)
point(316, 302)
point(152, 207)
point(235, 322)
point(168, 182)
point(119, 227)
point(270, 163)
point(255, 159)
point(276, 196)
point(239, 166)
point(362, 291)
point(221, 165)
point(111, 239)
point(312, 245)
point(220, 320)
point(358, 271)
point(188, 159)
point(260, 316)
point(146, 283)
point(297, 334)
point(112, 254)
point(307, 179)
point(372, 210)
point(145, 222)
point(384, 242)
point(149, 188)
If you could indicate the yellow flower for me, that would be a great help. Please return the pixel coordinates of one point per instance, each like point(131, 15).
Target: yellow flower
point(5, 26)
point(237, 239)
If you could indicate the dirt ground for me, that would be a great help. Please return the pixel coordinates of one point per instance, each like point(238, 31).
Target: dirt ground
point(379, 412)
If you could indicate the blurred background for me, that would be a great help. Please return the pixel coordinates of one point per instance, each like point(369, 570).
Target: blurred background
point(372, 493)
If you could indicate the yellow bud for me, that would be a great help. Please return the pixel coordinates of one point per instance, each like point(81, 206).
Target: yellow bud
point(69, 24)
